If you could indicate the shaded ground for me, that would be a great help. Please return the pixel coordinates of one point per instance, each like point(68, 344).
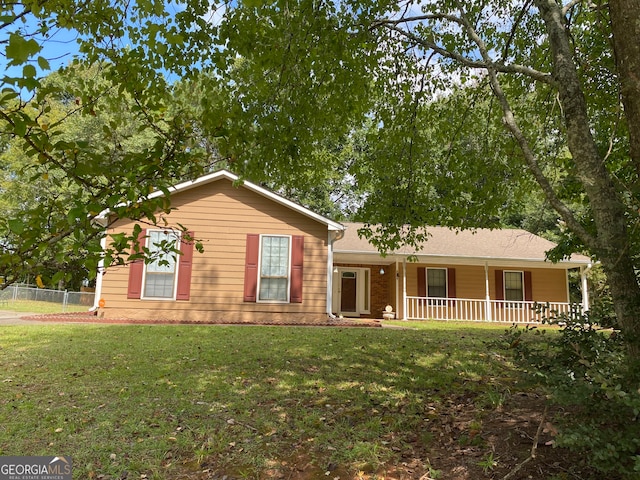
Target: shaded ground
point(442, 416)
point(457, 445)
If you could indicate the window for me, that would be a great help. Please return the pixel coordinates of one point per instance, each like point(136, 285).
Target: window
point(513, 286)
point(274, 268)
point(160, 274)
point(437, 282)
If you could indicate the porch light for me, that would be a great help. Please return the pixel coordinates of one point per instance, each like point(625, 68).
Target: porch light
point(335, 269)
point(382, 271)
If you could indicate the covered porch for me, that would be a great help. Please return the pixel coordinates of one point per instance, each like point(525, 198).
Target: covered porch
point(404, 286)
point(482, 275)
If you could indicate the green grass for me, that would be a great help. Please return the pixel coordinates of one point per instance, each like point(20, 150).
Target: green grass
point(159, 400)
point(33, 306)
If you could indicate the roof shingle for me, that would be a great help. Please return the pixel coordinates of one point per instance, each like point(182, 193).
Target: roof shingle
point(505, 244)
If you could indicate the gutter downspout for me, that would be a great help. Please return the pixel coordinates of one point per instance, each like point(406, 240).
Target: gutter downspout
point(99, 274)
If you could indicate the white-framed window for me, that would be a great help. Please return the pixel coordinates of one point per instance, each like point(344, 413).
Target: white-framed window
point(514, 286)
point(275, 268)
point(160, 275)
point(437, 282)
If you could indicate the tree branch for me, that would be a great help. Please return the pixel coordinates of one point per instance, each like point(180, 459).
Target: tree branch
point(28, 138)
point(529, 156)
point(570, 5)
point(534, 448)
point(485, 64)
point(516, 24)
point(23, 14)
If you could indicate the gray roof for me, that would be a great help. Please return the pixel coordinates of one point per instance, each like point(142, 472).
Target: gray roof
point(466, 246)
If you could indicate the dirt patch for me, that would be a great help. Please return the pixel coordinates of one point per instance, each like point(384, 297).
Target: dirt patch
point(500, 443)
point(459, 442)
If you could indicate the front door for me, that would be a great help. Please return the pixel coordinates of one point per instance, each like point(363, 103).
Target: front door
point(348, 292)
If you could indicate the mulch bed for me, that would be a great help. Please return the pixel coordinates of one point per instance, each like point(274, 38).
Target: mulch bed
point(88, 317)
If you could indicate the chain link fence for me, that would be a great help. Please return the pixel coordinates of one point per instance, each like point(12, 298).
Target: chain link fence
point(45, 299)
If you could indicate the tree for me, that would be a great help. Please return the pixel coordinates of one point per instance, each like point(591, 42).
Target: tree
point(555, 72)
point(25, 186)
point(75, 139)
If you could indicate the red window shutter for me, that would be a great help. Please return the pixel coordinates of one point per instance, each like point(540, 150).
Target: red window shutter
point(499, 285)
point(451, 282)
point(422, 282)
point(528, 287)
point(251, 267)
point(136, 269)
point(297, 258)
point(184, 268)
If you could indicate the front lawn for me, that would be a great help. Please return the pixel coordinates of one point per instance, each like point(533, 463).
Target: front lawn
point(35, 306)
point(197, 402)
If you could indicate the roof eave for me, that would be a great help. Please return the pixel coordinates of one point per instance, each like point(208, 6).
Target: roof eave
point(462, 260)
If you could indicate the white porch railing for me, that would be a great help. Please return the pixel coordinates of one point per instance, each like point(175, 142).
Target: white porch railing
point(421, 308)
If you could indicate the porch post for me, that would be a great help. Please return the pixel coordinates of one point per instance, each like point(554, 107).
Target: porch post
point(395, 289)
point(404, 289)
point(486, 292)
point(584, 287)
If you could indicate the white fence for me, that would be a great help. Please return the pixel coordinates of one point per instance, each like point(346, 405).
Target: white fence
point(421, 308)
point(66, 299)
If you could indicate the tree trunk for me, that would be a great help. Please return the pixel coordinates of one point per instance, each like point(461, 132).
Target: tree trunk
point(611, 243)
point(625, 26)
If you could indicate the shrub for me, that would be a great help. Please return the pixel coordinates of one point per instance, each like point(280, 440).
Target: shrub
point(586, 370)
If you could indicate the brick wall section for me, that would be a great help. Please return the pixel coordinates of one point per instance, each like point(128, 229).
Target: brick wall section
point(381, 289)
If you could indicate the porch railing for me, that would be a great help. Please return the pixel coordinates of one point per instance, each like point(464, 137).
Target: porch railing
point(421, 308)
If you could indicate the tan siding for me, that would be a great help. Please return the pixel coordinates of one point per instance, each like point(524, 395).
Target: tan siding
point(548, 285)
point(221, 216)
point(470, 282)
point(412, 279)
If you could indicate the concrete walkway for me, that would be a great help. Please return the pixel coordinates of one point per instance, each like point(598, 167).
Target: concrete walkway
point(9, 317)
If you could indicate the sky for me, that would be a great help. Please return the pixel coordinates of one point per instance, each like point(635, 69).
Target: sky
point(58, 48)
point(61, 45)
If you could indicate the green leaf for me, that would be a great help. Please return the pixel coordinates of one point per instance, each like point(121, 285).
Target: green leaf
point(20, 127)
point(29, 71)
point(43, 63)
point(57, 277)
point(16, 226)
point(76, 213)
point(19, 50)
